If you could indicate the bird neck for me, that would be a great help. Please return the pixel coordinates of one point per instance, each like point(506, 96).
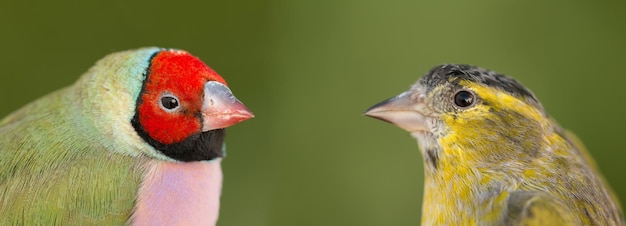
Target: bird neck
point(179, 193)
point(464, 191)
point(458, 179)
point(473, 176)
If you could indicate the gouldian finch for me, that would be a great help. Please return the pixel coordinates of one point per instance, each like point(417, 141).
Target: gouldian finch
point(493, 156)
point(137, 140)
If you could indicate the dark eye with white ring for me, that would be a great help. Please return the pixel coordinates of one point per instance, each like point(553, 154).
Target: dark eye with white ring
point(464, 98)
point(169, 102)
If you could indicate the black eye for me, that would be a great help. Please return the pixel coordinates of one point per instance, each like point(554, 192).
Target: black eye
point(169, 102)
point(464, 98)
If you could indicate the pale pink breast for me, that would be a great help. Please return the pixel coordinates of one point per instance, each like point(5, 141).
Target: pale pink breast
point(179, 193)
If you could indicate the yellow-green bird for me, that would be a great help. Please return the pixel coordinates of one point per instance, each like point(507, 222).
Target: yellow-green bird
point(493, 156)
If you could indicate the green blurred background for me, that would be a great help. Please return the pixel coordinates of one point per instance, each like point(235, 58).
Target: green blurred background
point(308, 69)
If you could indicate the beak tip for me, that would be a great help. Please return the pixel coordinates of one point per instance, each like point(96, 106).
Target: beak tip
point(244, 115)
point(369, 113)
point(375, 114)
point(377, 108)
point(250, 115)
point(246, 112)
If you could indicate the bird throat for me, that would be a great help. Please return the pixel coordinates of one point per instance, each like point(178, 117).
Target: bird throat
point(430, 149)
point(197, 147)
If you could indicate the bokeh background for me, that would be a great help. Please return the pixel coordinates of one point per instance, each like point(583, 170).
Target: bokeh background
point(308, 69)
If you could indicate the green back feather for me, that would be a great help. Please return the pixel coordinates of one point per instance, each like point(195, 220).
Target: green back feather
point(72, 157)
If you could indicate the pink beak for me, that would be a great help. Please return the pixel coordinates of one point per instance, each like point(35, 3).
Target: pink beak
point(220, 108)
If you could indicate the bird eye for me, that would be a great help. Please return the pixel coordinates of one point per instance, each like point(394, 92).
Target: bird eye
point(169, 102)
point(464, 98)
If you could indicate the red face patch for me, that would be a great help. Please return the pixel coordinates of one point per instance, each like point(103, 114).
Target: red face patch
point(172, 97)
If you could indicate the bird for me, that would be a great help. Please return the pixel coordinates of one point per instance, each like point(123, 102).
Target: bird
point(138, 139)
point(493, 156)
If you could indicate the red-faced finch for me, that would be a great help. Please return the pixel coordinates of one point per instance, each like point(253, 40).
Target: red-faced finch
point(137, 140)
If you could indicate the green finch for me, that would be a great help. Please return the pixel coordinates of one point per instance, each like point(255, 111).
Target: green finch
point(493, 156)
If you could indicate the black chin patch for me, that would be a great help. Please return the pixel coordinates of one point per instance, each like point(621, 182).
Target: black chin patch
point(198, 147)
